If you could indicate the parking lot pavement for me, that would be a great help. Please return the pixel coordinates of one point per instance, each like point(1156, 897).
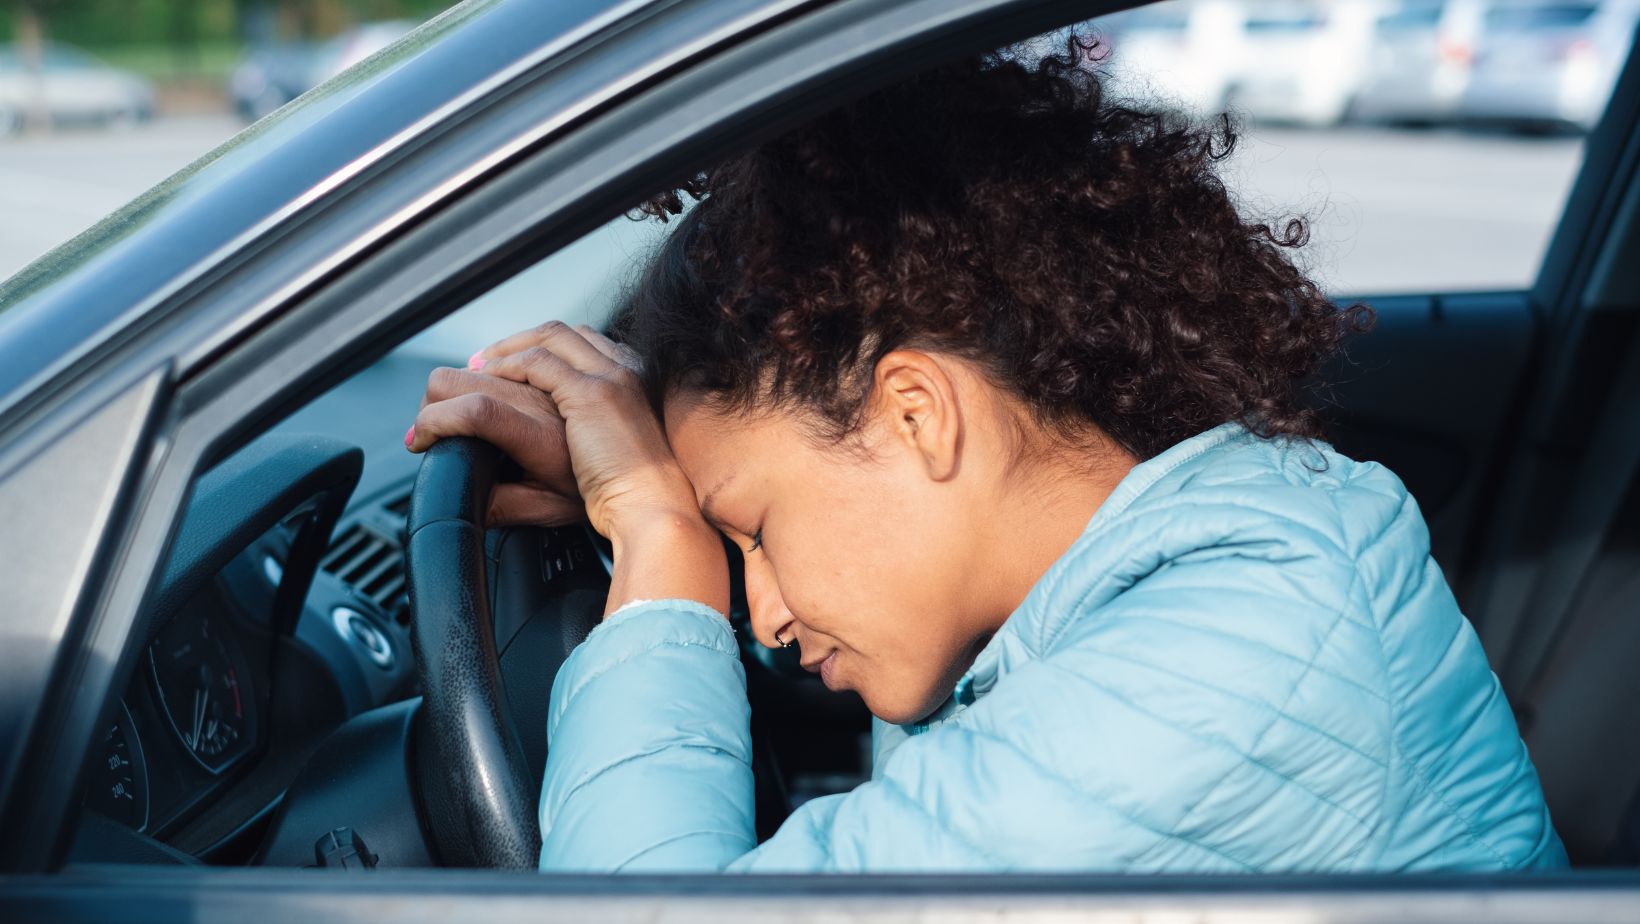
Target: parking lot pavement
point(1391, 210)
point(1411, 211)
point(54, 186)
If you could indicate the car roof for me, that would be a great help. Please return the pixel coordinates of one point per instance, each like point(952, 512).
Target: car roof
point(109, 276)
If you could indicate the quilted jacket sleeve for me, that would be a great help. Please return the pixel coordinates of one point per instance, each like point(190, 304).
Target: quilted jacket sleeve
point(649, 764)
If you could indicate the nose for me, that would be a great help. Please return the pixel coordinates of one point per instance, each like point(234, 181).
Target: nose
point(771, 621)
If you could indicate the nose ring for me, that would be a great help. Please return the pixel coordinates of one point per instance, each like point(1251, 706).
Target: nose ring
point(784, 642)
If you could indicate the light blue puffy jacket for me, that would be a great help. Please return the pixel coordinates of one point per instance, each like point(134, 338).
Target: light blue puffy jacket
point(1247, 662)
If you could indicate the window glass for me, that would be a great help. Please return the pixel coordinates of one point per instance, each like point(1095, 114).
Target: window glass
point(58, 57)
point(1161, 17)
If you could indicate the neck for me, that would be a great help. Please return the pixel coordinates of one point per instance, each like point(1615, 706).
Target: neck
point(1044, 511)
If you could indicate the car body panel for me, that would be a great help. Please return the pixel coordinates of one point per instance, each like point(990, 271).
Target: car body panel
point(270, 76)
point(60, 502)
point(1548, 63)
point(1302, 63)
point(1421, 58)
point(72, 86)
point(501, 898)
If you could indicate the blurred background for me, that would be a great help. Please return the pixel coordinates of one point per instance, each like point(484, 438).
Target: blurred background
point(1431, 143)
point(101, 99)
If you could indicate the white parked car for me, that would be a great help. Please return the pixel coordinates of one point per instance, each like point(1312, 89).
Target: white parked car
point(1422, 55)
point(270, 76)
point(70, 86)
point(1302, 63)
point(1548, 62)
point(1179, 54)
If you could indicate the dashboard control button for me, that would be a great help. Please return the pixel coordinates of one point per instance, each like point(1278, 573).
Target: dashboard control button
point(357, 629)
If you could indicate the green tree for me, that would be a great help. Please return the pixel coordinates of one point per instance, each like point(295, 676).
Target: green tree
point(183, 30)
point(255, 21)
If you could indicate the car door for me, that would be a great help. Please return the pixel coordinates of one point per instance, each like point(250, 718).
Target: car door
point(539, 160)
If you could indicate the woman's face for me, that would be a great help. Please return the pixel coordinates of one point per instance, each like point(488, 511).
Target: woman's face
point(891, 560)
point(863, 562)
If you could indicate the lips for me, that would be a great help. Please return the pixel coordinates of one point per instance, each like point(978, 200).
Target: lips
point(826, 667)
point(828, 671)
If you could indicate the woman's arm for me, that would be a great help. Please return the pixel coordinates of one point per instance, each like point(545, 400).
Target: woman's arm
point(649, 763)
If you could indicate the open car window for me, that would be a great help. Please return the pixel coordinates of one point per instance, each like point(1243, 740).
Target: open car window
point(1432, 144)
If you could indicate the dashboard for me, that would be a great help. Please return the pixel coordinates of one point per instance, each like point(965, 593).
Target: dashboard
point(251, 726)
point(193, 712)
point(224, 707)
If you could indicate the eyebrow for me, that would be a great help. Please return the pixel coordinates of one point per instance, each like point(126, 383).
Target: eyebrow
point(706, 505)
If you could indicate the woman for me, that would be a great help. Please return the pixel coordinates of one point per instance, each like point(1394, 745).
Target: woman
point(1000, 398)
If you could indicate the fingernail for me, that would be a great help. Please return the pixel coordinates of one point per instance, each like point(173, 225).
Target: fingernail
point(409, 436)
point(475, 362)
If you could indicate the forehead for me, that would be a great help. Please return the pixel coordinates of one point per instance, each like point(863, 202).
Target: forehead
point(710, 445)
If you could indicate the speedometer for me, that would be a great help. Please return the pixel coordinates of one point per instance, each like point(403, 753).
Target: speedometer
point(119, 782)
point(202, 682)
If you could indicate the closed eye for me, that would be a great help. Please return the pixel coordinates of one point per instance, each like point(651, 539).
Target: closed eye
point(757, 542)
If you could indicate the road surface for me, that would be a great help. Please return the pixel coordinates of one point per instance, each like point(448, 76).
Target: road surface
point(1391, 211)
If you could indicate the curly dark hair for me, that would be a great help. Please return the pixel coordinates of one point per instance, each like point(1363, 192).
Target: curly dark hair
point(1083, 254)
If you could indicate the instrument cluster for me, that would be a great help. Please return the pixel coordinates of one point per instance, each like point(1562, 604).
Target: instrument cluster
point(192, 714)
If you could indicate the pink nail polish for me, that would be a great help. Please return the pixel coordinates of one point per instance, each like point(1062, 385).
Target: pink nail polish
point(409, 436)
point(475, 362)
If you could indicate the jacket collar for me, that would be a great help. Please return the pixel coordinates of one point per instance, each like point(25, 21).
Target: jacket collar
point(1007, 648)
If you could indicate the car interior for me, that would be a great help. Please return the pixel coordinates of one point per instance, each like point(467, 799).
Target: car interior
point(308, 684)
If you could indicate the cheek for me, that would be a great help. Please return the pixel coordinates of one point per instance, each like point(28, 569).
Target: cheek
point(867, 571)
point(848, 538)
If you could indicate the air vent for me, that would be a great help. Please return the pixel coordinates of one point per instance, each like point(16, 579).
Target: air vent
point(368, 555)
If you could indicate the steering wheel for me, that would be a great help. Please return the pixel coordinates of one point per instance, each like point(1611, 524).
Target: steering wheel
point(475, 784)
point(478, 777)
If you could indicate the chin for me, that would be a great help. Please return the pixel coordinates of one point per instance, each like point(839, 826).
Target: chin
point(904, 709)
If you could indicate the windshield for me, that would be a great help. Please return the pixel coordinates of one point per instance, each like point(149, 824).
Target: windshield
point(579, 284)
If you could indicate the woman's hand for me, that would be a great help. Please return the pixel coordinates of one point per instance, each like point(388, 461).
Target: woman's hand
point(518, 419)
point(584, 425)
point(566, 404)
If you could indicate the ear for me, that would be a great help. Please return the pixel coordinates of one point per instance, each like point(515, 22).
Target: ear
point(917, 401)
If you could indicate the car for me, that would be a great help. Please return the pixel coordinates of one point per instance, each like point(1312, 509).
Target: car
point(70, 87)
point(1421, 57)
point(271, 75)
point(206, 546)
point(1548, 63)
point(1302, 63)
point(1179, 53)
